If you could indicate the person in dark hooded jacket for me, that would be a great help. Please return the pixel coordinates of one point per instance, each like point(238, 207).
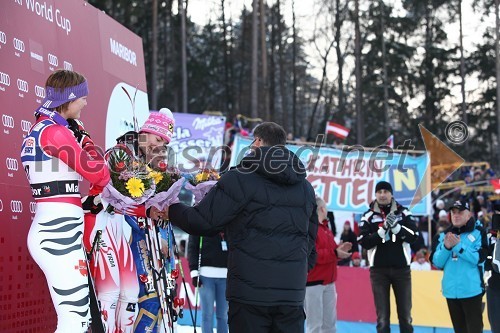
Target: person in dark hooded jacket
point(268, 211)
point(492, 269)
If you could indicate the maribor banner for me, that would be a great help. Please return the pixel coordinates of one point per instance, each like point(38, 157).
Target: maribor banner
point(36, 38)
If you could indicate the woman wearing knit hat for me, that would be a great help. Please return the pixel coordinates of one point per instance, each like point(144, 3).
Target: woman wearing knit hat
point(53, 161)
point(161, 125)
point(357, 260)
point(120, 281)
point(157, 132)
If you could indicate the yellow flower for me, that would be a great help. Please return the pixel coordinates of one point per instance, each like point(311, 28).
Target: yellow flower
point(202, 176)
point(135, 187)
point(157, 176)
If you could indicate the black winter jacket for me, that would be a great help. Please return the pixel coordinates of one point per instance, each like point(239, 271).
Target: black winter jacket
point(268, 209)
point(392, 252)
point(211, 252)
point(494, 280)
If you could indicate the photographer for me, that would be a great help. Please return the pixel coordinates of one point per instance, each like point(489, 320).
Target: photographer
point(386, 231)
point(492, 275)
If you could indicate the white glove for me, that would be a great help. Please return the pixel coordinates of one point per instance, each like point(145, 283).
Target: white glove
point(396, 229)
point(486, 277)
point(381, 232)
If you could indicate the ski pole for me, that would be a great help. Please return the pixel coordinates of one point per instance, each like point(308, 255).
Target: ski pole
point(176, 252)
point(96, 326)
point(170, 288)
point(157, 277)
point(197, 287)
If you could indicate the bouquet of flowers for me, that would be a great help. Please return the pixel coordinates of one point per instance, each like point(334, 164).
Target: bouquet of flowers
point(168, 186)
point(202, 182)
point(131, 182)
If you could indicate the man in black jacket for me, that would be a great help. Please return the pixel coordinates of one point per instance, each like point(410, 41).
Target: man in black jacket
point(268, 209)
point(492, 276)
point(207, 257)
point(386, 231)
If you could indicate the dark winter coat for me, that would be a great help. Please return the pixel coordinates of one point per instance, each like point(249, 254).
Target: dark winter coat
point(211, 252)
point(268, 210)
point(394, 251)
point(490, 265)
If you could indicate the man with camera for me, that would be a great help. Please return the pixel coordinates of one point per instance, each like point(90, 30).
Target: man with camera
point(492, 275)
point(386, 231)
point(460, 252)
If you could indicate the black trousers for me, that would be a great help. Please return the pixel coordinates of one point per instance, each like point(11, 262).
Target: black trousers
point(400, 279)
point(493, 299)
point(466, 314)
point(245, 318)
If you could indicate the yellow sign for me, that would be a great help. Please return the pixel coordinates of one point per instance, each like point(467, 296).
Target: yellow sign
point(450, 185)
point(429, 305)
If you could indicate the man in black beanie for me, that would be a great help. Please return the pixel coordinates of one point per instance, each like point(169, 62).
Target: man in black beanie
point(383, 185)
point(386, 232)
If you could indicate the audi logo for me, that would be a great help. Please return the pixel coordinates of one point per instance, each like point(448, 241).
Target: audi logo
point(39, 91)
point(32, 207)
point(7, 121)
point(16, 206)
point(53, 59)
point(1, 205)
point(4, 79)
point(11, 164)
point(68, 66)
point(3, 37)
point(19, 45)
point(25, 125)
point(22, 85)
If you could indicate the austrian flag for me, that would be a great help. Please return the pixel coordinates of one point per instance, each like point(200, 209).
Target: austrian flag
point(338, 130)
point(496, 185)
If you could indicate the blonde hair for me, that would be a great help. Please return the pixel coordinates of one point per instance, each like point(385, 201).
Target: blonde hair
point(320, 203)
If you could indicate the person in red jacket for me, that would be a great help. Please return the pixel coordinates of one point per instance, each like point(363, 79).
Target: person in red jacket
point(53, 158)
point(321, 296)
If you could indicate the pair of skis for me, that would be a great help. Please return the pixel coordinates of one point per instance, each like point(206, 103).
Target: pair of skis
point(164, 274)
point(165, 271)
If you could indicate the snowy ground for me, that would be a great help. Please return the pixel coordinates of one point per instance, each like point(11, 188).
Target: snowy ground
point(188, 329)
